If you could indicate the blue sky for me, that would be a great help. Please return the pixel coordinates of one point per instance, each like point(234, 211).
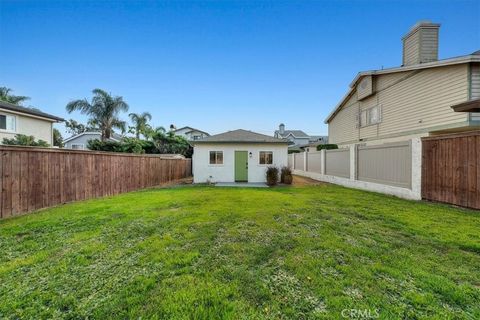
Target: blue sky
point(214, 65)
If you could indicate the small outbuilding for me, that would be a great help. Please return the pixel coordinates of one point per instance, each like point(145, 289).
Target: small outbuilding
point(237, 156)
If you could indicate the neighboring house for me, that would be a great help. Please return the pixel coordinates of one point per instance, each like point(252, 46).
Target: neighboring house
point(28, 121)
point(237, 156)
point(298, 139)
point(80, 141)
point(190, 133)
point(413, 100)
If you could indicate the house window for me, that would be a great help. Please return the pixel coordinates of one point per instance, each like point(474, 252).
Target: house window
point(370, 116)
point(216, 157)
point(78, 146)
point(266, 157)
point(7, 123)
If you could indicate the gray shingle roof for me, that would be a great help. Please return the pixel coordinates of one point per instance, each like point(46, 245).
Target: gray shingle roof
point(240, 136)
point(296, 133)
point(35, 112)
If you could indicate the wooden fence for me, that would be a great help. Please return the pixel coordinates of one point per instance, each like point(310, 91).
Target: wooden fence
point(35, 178)
point(451, 169)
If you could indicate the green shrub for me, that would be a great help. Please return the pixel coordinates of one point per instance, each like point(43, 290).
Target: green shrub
point(286, 175)
point(326, 147)
point(293, 151)
point(24, 140)
point(272, 176)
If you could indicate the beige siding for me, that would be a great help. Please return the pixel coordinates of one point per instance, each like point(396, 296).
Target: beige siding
point(428, 45)
point(424, 100)
point(475, 84)
point(411, 49)
point(40, 129)
point(410, 102)
point(343, 126)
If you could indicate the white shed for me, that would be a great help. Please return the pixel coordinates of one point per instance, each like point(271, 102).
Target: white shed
point(237, 156)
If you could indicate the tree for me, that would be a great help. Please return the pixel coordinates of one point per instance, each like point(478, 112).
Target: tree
point(57, 138)
point(103, 110)
point(73, 127)
point(140, 123)
point(6, 96)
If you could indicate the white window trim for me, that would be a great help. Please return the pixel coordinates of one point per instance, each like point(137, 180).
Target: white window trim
point(15, 122)
point(264, 164)
point(216, 164)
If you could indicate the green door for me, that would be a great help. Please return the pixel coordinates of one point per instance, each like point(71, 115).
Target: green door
point(241, 166)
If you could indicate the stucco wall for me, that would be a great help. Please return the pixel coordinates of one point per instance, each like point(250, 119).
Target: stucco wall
point(204, 172)
point(40, 129)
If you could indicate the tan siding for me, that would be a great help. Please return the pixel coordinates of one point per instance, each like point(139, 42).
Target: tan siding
point(424, 100)
point(343, 125)
point(411, 101)
point(475, 84)
point(429, 45)
point(411, 49)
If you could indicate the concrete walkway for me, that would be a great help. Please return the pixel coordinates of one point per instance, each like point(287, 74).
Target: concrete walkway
point(242, 184)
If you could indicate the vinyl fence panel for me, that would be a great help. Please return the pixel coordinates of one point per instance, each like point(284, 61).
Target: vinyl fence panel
point(337, 162)
point(314, 162)
point(389, 164)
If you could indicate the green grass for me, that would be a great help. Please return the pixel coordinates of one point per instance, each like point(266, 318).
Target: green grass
point(200, 252)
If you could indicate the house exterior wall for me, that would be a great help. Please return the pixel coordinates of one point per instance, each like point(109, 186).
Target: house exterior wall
point(188, 134)
point(39, 128)
point(411, 103)
point(204, 172)
point(82, 139)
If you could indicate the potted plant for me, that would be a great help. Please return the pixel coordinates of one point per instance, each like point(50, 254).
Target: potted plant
point(286, 175)
point(272, 176)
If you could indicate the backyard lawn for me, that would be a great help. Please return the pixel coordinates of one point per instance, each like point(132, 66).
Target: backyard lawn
point(198, 252)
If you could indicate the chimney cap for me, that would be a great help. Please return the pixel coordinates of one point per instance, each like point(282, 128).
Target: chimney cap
point(421, 24)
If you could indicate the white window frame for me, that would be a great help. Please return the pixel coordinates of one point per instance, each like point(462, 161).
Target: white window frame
point(260, 157)
point(216, 158)
point(6, 123)
point(77, 144)
point(364, 118)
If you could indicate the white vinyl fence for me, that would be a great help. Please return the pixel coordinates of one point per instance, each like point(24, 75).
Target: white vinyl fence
point(393, 168)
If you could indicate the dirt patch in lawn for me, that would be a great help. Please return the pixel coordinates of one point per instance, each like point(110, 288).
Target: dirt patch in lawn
point(304, 181)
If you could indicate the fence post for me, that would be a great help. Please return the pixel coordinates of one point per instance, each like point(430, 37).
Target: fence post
point(416, 153)
point(305, 161)
point(323, 159)
point(353, 162)
point(293, 160)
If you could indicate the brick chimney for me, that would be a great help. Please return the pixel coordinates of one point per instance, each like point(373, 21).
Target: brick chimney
point(420, 44)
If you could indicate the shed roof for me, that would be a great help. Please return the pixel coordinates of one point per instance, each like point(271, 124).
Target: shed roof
point(30, 111)
point(239, 136)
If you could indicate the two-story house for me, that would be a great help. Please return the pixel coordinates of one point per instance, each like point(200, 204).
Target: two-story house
point(413, 100)
point(28, 121)
point(298, 138)
point(190, 133)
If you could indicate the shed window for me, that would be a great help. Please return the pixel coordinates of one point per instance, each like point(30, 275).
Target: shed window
point(7, 122)
point(266, 157)
point(216, 157)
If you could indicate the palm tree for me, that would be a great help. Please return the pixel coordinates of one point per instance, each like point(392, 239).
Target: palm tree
point(103, 111)
point(6, 96)
point(140, 122)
